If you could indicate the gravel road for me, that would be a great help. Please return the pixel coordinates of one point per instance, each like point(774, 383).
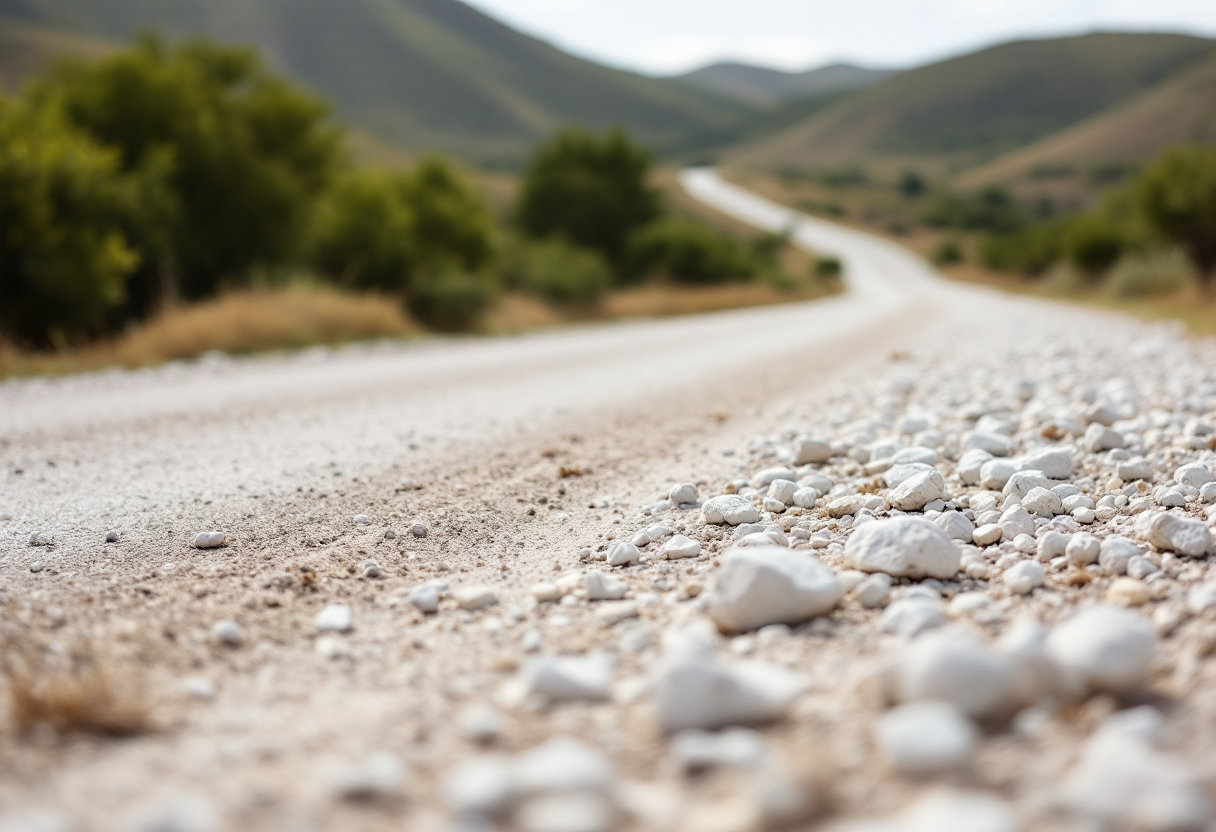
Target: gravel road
point(919, 556)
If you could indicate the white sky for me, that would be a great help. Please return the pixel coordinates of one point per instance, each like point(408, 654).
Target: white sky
point(667, 36)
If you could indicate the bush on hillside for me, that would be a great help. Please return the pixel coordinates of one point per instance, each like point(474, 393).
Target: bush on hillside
point(450, 300)
point(238, 155)
point(687, 251)
point(948, 253)
point(1176, 194)
point(1031, 251)
point(378, 231)
point(591, 190)
point(1093, 244)
point(63, 256)
point(992, 209)
point(1151, 273)
point(558, 272)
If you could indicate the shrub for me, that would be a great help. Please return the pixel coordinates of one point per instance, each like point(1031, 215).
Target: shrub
point(450, 300)
point(1177, 195)
point(1031, 251)
point(688, 251)
point(559, 272)
point(948, 253)
point(1147, 274)
point(1092, 243)
point(828, 267)
point(591, 190)
point(63, 257)
point(377, 231)
point(991, 209)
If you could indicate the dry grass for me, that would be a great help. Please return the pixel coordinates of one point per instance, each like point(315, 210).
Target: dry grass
point(238, 322)
point(663, 301)
point(72, 693)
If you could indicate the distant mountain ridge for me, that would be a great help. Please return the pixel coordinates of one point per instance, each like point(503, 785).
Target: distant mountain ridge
point(967, 110)
point(762, 85)
point(429, 74)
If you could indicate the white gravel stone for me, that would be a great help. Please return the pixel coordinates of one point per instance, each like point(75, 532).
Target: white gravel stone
point(909, 616)
point(1051, 544)
point(898, 474)
point(762, 479)
point(1115, 553)
point(1055, 463)
point(573, 812)
point(698, 751)
point(362, 520)
point(475, 597)
point(807, 497)
point(679, 547)
point(1042, 503)
point(903, 547)
point(783, 491)
point(969, 465)
point(701, 692)
point(1110, 649)
point(601, 587)
point(683, 494)
point(987, 534)
point(482, 724)
point(1123, 780)
point(335, 618)
point(768, 585)
point(956, 526)
point(425, 598)
point(622, 554)
point(1194, 475)
point(1024, 577)
point(730, 509)
point(996, 444)
point(1133, 469)
point(923, 739)
point(481, 787)
point(1083, 549)
point(952, 666)
point(1021, 483)
point(210, 540)
point(1100, 438)
point(1015, 521)
point(227, 633)
point(915, 492)
point(569, 678)
point(874, 591)
point(808, 450)
point(1174, 534)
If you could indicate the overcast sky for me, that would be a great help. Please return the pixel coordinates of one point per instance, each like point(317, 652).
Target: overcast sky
point(666, 36)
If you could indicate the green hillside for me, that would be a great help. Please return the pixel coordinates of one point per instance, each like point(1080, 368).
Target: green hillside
point(1181, 109)
point(770, 86)
point(970, 109)
point(427, 74)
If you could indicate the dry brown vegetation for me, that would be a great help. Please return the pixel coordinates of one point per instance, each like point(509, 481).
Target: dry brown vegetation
point(239, 322)
point(71, 692)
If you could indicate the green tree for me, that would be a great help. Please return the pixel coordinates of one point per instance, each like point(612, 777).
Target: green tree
point(381, 230)
point(591, 190)
point(558, 272)
point(240, 155)
point(63, 257)
point(1093, 244)
point(688, 251)
point(1177, 196)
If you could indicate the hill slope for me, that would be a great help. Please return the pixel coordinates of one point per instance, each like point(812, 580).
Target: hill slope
point(424, 73)
point(25, 50)
point(975, 107)
point(770, 86)
point(1180, 109)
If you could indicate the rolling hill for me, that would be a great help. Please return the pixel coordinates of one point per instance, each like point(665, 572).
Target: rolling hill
point(426, 74)
point(968, 110)
point(25, 50)
point(1180, 109)
point(760, 85)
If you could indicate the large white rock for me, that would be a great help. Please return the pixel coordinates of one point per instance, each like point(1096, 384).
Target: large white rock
point(922, 739)
point(903, 547)
point(808, 450)
point(1055, 463)
point(1174, 534)
point(1015, 521)
point(1108, 648)
point(680, 546)
point(561, 679)
point(898, 474)
point(969, 465)
point(1194, 474)
point(1124, 781)
point(1020, 483)
point(914, 493)
point(956, 525)
point(760, 585)
point(1042, 502)
point(698, 691)
point(730, 509)
point(952, 666)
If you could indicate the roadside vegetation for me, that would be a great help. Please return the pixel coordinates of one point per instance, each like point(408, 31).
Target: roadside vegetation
point(1146, 242)
point(171, 199)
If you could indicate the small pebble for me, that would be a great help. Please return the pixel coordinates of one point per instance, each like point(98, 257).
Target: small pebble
point(335, 618)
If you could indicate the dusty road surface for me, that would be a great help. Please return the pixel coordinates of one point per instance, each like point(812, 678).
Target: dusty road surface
point(424, 616)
